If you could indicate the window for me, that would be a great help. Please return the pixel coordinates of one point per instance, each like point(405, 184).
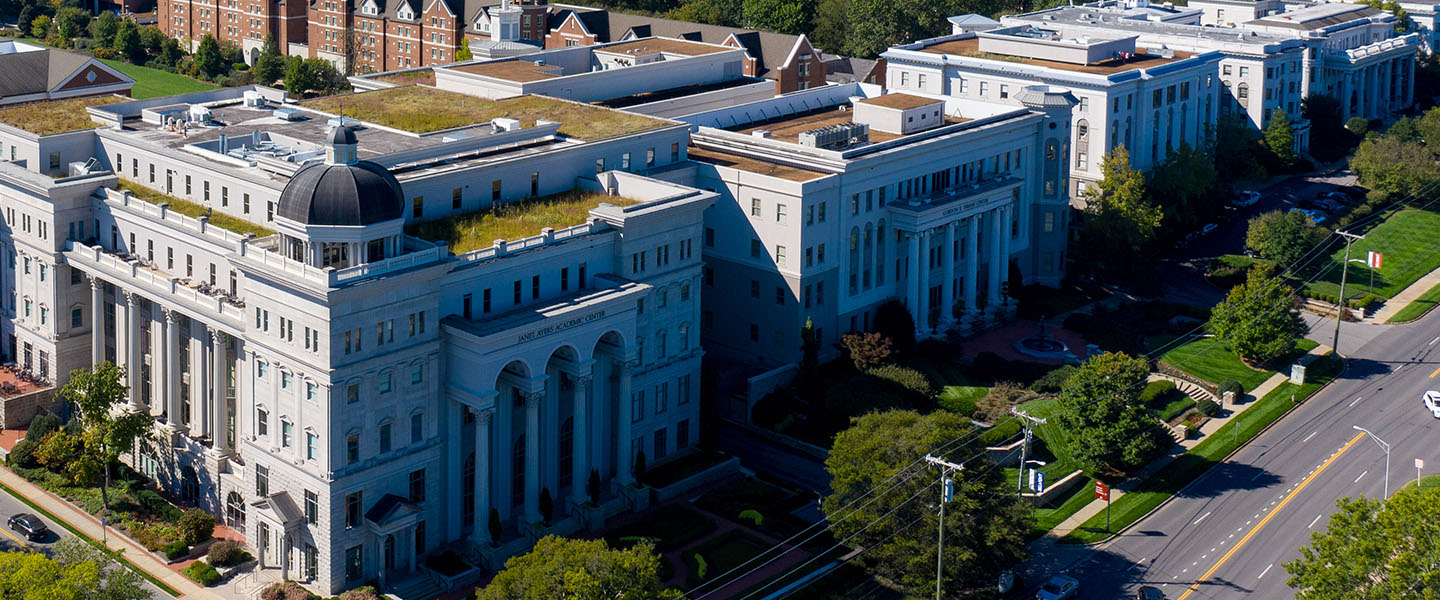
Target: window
point(417, 486)
point(637, 406)
point(287, 429)
point(1004, 91)
point(312, 507)
point(285, 380)
point(757, 249)
point(682, 434)
point(75, 317)
point(262, 422)
point(660, 444)
point(417, 207)
point(352, 393)
point(310, 390)
point(352, 448)
point(417, 374)
point(384, 383)
point(384, 437)
point(312, 443)
point(262, 481)
point(352, 510)
point(754, 207)
point(417, 428)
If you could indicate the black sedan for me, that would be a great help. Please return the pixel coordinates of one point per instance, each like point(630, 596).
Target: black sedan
point(30, 525)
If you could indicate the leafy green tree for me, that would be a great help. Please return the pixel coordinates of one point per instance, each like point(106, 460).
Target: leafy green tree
point(985, 525)
point(464, 54)
point(40, 26)
point(710, 12)
point(70, 21)
point(581, 569)
point(153, 39)
point(1107, 427)
point(270, 65)
point(77, 571)
point(1280, 138)
point(1392, 165)
point(170, 52)
point(1404, 129)
point(829, 25)
point(127, 42)
point(1427, 127)
point(1283, 237)
point(103, 28)
point(1357, 125)
point(1258, 320)
point(207, 57)
point(1374, 549)
point(109, 426)
point(1329, 140)
point(1120, 219)
point(1238, 154)
point(871, 26)
point(784, 16)
point(1184, 185)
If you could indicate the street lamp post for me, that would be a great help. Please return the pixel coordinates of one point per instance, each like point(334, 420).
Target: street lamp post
point(1383, 446)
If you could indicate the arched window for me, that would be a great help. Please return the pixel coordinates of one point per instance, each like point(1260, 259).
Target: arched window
point(1184, 121)
point(1114, 134)
point(660, 350)
point(684, 337)
point(880, 253)
point(567, 451)
point(854, 260)
point(1243, 93)
point(1082, 131)
point(517, 471)
point(235, 510)
point(869, 256)
point(1169, 130)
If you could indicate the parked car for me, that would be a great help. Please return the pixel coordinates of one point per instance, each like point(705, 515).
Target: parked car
point(30, 525)
point(1316, 216)
point(1246, 198)
point(1327, 203)
point(1150, 592)
point(1059, 587)
point(1431, 399)
point(1337, 196)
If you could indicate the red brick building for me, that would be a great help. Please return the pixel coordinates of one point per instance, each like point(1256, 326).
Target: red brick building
point(243, 23)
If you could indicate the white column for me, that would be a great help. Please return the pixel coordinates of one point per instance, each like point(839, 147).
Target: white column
point(580, 471)
point(132, 347)
point(996, 263)
point(482, 474)
point(922, 321)
point(1004, 255)
point(217, 383)
point(947, 282)
point(972, 262)
point(912, 279)
point(97, 321)
point(532, 455)
point(623, 461)
point(171, 389)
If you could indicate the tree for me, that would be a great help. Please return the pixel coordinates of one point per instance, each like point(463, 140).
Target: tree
point(270, 65)
point(829, 25)
point(784, 16)
point(108, 426)
point(1184, 185)
point(1391, 165)
point(195, 526)
point(103, 28)
point(872, 26)
point(464, 54)
point(1280, 138)
point(1120, 220)
point(1283, 237)
point(127, 42)
point(581, 569)
point(70, 21)
point(710, 12)
point(77, 571)
point(1258, 320)
point(1427, 127)
point(1329, 140)
point(985, 524)
point(207, 56)
point(170, 52)
point(868, 350)
point(153, 39)
point(1107, 428)
point(1374, 549)
point(1404, 129)
point(892, 320)
point(309, 74)
point(1357, 126)
point(40, 26)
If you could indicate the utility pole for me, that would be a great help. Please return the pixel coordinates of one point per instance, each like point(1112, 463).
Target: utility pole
point(1344, 271)
point(947, 493)
point(1030, 422)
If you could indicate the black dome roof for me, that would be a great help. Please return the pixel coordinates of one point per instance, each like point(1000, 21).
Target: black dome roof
point(342, 135)
point(324, 194)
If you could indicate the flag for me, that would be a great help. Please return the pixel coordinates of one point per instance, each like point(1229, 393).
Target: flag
point(1373, 259)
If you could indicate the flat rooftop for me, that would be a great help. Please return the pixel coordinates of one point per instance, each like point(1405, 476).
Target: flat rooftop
point(665, 45)
point(789, 127)
point(49, 117)
point(901, 101)
point(1318, 16)
point(676, 92)
point(1088, 17)
point(517, 70)
point(420, 109)
point(513, 221)
point(970, 47)
point(753, 165)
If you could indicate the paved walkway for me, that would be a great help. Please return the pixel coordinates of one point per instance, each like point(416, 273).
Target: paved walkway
point(90, 526)
point(1404, 298)
point(1209, 428)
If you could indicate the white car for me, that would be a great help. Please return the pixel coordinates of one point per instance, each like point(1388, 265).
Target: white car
point(1246, 198)
point(1431, 399)
point(1059, 587)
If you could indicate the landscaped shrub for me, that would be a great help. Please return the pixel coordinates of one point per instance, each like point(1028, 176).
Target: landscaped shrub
point(361, 593)
point(868, 350)
point(753, 516)
point(158, 506)
point(1051, 382)
point(1157, 393)
point(1207, 407)
point(1230, 385)
point(906, 377)
point(225, 553)
point(58, 450)
point(288, 590)
point(196, 526)
point(41, 426)
point(1002, 433)
point(175, 550)
point(23, 454)
point(202, 573)
point(989, 367)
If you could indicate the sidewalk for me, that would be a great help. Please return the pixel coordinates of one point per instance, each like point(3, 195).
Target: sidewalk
point(1402, 299)
point(90, 526)
point(1209, 428)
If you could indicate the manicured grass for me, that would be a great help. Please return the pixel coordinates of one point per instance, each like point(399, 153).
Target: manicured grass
point(1208, 359)
point(1407, 239)
point(425, 76)
point(669, 527)
point(1428, 482)
point(723, 553)
point(154, 83)
point(191, 209)
point(961, 398)
point(422, 109)
point(1050, 518)
point(1418, 308)
point(1175, 408)
point(471, 232)
point(1191, 465)
point(55, 116)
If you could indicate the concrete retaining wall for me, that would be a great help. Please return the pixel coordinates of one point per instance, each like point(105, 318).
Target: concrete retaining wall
point(16, 412)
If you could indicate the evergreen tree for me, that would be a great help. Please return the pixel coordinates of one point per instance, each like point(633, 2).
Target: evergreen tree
point(1280, 138)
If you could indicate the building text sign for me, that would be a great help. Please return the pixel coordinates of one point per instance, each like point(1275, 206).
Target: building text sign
point(560, 326)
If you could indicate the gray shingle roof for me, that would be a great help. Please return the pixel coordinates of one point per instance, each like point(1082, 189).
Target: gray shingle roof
point(37, 71)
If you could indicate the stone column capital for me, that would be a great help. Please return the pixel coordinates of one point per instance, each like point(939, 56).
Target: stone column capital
point(532, 399)
point(583, 380)
point(172, 316)
point(96, 284)
point(131, 298)
point(482, 415)
point(217, 337)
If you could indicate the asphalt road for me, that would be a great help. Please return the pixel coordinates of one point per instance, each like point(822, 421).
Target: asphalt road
point(13, 540)
point(1228, 534)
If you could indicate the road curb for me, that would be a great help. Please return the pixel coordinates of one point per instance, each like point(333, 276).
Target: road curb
point(1237, 449)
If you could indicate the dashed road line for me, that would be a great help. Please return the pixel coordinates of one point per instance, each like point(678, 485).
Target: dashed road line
point(1357, 401)
point(1202, 518)
point(1307, 438)
point(1312, 523)
point(1362, 474)
point(1267, 570)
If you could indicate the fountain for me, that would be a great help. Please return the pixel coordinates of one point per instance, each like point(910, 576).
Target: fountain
point(1042, 345)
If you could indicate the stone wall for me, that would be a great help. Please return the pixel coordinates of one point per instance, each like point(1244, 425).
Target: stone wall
point(16, 411)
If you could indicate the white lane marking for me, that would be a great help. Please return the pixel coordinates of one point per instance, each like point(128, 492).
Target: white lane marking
point(1267, 570)
point(1202, 518)
point(1307, 438)
point(1137, 564)
point(1362, 474)
point(1432, 342)
point(1312, 523)
point(1357, 401)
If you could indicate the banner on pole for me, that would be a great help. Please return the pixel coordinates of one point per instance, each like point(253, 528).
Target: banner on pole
point(1102, 491)
point(1373, 260)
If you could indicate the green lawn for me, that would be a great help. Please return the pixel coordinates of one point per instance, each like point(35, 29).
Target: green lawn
point(1418, 308)
point(1407, 240)
point(1050, 518)
point(1175, 408)
point(962, 398)
point(722, 554)
point(153, 83)
point(1149, 494)
point(1207, 359)
point(1428, 482)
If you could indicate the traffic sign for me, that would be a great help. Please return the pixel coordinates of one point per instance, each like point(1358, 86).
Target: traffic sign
point(1102, 491)
point(1419, 463)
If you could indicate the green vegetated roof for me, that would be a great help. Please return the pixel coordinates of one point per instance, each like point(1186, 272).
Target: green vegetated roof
point(191, 209)
point(55, 116)
point(420, 109)
point(471, 232)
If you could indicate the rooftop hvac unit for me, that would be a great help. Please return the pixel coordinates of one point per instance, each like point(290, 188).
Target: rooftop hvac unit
point(763, 134)
point(288, 114)
point(254, 99)
point(1166, 53)
point(454, 137)
point(835, 136)
point(199, 113)
point(503, 124)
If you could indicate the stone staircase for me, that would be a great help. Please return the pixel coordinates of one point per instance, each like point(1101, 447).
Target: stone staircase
point(1176, 433)
point(1189, 388)
point(420, 586)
